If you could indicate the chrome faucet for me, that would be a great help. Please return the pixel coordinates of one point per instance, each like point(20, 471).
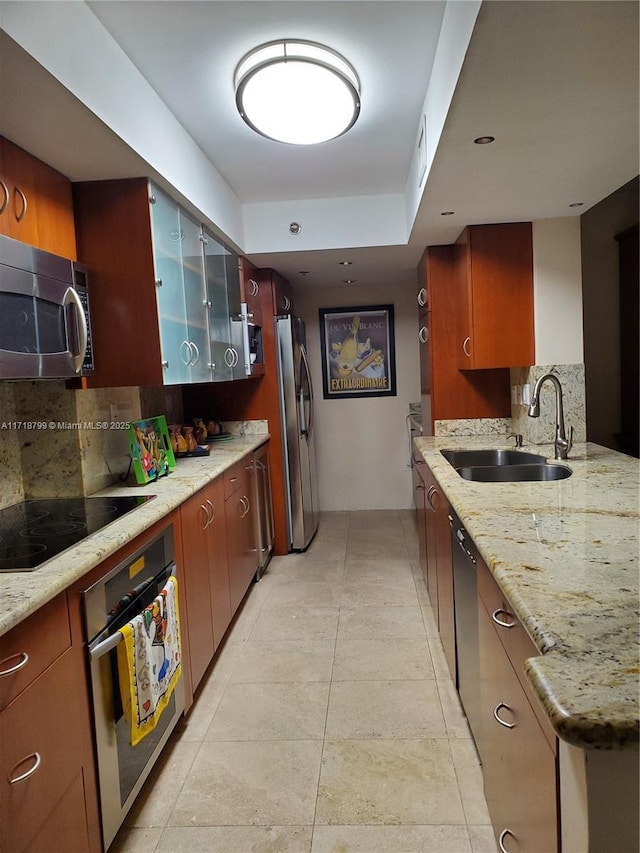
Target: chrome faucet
point(561, 443)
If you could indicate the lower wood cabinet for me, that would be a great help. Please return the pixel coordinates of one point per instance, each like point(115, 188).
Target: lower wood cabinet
point(435, 554)
point(205, 576)
point(240, 521)
point(47, 787)
point(518, 762)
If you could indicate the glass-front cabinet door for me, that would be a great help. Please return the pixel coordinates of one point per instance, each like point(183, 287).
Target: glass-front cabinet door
point(222, 352)
point(167, 230)
point(197, 349)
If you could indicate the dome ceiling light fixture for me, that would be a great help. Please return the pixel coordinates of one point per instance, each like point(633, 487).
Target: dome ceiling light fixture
point(297, 91)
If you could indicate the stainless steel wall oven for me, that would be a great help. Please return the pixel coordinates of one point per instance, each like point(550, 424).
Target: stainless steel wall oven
point(108, 605)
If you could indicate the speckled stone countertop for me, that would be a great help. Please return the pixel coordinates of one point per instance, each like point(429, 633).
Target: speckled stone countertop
point(22, 593)
point(566, 555)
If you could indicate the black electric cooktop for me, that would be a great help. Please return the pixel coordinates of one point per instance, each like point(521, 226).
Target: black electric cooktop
point(34, 531)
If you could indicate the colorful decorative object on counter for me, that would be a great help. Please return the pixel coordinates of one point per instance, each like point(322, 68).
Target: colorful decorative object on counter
point(150, 448)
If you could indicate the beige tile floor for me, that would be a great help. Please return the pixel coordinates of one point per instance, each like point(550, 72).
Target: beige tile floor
point(328, 720)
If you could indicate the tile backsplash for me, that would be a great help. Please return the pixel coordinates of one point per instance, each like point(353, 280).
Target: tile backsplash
point(542, 430)
point(57, 441)
point(539, 430)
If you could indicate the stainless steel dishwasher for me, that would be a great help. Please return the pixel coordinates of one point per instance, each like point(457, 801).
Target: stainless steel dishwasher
point(465, 585)
point(264, 510)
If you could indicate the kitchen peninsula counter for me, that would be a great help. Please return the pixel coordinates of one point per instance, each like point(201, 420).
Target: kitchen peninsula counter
point(22, 593)
point(565, 554)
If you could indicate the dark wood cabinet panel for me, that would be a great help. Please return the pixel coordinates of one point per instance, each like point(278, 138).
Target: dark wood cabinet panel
point(453, 394)
point(36, 202)
point(240, 529)
point(205, 575)
point(250, 285)
point(494, 296)
point(519, 767)
point(47, 737)
point(114, 240)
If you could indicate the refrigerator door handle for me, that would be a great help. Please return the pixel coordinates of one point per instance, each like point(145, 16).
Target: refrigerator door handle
point(303, 353)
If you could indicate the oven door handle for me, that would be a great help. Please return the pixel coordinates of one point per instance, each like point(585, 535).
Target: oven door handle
point(105, 646)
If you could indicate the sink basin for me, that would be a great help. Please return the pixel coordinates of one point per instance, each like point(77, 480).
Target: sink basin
point(491, 456)
point(507, 473)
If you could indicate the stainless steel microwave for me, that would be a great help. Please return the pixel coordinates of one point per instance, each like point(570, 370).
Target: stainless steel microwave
point(45, 328)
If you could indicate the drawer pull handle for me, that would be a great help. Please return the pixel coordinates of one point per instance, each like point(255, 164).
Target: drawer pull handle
point(496, 715)
point(503, 835)
point(13, 780)
point(502, 624)
point(21, 663)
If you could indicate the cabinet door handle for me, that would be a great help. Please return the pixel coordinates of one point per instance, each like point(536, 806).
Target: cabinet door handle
point(254, 289)
point(20, 216)
point(420, 487)
point(422, 297)
point(502, 624)
point(207, 520)
point(24, 660)
point(37, 761)
point(286, 303)
point(496, 715)
point(228, 357)
point(423, 335)
point(465, 344)
point(185, 353)
point(503, 835)
point(195, 358)
point(3, 207)
point(211, 511)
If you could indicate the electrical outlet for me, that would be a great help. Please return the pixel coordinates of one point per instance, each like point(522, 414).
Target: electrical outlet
point(526, 394)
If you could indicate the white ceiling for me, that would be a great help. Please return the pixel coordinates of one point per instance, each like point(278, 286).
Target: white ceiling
point(555, 82)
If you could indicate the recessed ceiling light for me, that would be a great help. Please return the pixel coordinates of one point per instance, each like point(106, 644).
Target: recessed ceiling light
point(577, 204)
point(297, 91)
point(345, 263)
point(484, 140)
point(303, 272)
point(447, 213)
point(349, 280)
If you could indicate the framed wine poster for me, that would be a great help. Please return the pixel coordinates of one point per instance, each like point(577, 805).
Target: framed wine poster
point(358, 352)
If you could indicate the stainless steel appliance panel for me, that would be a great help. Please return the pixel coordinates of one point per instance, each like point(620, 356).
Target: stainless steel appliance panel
point(297, 407)
point(264, 508)
point(109, 604)
point(43, 323)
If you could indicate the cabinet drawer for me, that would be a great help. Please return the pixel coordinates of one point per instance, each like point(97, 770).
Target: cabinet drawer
point(236, 477)
point(39, 733)
point(514, 638)
point(32, 646)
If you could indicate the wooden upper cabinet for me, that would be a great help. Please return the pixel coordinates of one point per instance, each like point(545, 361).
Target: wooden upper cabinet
point(447, 392)
point(494, 296)
point(281, 294)
point(36, 202)
point(114, 239)
point(251, 290)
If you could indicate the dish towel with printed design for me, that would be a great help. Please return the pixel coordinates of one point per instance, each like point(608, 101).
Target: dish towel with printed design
point(149, 661)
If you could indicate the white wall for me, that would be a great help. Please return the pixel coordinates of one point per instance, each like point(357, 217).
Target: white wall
point(362, 444)
point(557, 287)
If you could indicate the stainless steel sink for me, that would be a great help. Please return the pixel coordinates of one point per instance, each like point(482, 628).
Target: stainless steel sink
point(509, 473)
point(491, 456)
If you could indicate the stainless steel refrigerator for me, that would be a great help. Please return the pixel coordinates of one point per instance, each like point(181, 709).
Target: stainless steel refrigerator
point(297, 409)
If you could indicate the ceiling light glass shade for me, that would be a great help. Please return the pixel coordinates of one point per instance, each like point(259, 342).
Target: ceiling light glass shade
point(297, 91)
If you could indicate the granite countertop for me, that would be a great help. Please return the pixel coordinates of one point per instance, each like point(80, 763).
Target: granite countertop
point(565, 554)
point(22, 593)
